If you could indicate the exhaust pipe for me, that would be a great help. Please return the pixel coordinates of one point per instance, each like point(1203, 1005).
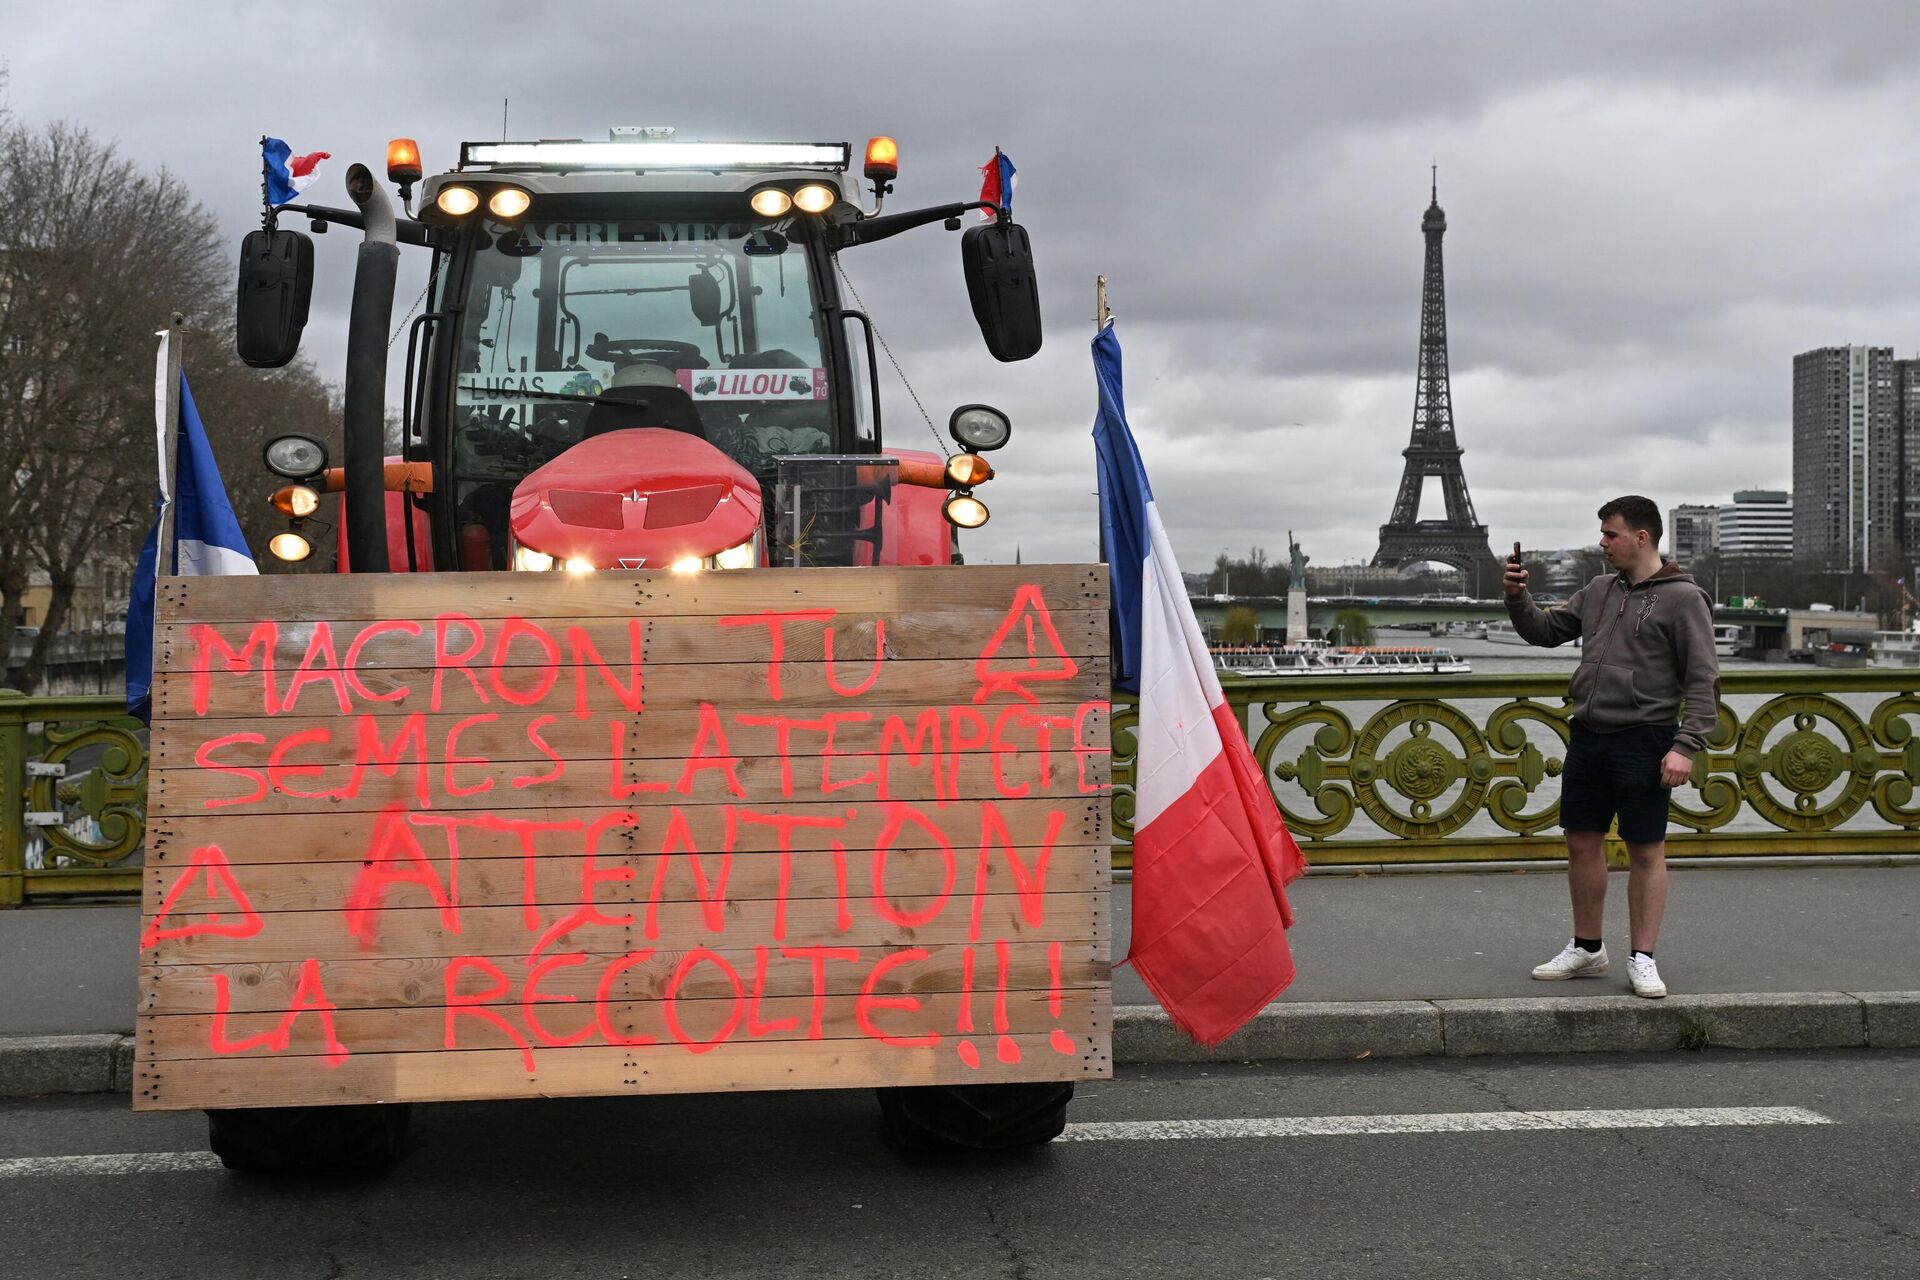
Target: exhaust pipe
point(365, 421)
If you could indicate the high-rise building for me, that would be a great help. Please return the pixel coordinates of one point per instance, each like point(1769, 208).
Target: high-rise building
point(1906, 387)
point(1758, 522)
point(1848, 485)
point(1691, 531)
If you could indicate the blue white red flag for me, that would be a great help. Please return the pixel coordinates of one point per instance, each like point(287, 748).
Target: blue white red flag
point(997, 183)
point(203, 537)
point(288, 174)
point(1211, 855)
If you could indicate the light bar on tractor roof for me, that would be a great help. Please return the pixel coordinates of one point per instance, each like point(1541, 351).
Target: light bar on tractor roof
point(657, 155)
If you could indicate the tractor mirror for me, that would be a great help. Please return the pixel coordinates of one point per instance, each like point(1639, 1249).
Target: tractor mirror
point(998, 261)
point(276, 284)
point(703, 294)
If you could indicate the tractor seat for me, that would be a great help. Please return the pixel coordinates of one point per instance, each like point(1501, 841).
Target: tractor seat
point(649, 396)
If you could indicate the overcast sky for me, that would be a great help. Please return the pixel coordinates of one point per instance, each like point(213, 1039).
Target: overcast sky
point(1652, 207)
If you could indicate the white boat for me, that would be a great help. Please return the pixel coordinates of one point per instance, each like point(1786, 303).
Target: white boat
point(1316, 659)
point(1727, 637)
point(1896, 649)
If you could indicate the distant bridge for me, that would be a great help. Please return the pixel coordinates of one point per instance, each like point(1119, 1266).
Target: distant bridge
point(1413, 612)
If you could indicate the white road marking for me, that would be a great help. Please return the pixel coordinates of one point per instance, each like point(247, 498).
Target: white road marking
point(1123, 1131)
point(94, 1166)
point(1445, 1122)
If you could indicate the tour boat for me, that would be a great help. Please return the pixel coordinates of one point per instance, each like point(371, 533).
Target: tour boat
point(1316, 658)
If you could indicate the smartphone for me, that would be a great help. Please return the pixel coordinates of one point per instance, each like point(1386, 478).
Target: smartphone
point(1515, 557)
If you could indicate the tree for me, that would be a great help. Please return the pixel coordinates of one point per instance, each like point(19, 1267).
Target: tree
point(96, 254)
point(1240, 626)
point(1253, 576)
point(1354, 626)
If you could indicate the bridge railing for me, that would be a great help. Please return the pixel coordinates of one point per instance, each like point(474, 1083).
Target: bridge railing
point(1422, 769)
point(1367, 770)
point(73, 791)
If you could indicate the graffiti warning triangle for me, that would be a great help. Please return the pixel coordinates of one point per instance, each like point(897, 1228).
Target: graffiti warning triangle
point(207, 889)
point(1025, 649)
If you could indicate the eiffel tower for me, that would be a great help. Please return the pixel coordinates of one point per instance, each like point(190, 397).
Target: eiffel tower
point(1460, 540)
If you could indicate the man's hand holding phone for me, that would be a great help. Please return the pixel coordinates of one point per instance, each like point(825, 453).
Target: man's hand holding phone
point(1516, 575)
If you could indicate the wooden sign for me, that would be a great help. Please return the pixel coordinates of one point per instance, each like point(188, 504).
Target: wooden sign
point(442, 836)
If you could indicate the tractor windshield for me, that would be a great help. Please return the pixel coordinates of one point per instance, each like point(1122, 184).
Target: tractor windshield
point(578, 327)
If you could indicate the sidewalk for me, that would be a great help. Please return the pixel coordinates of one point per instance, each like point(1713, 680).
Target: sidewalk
point(1390, 965)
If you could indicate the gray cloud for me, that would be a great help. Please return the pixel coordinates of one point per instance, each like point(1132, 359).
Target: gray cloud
point(1652, 208)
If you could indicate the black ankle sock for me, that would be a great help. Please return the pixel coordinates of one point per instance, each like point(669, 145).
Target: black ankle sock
point(1587, 944)
point(1647, 954)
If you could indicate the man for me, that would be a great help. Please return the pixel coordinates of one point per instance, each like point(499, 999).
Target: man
point(1647, 654)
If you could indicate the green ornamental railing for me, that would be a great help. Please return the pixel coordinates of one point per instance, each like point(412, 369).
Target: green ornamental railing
point(1417, 768)
point(73, 795)
point(1367, 770)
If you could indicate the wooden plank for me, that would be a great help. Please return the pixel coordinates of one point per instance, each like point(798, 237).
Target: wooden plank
point(809, 687)
point(416, 641)
point(421, 982)
point(909, 875)
point(600, 1070)
point(331, 789)
point(734, 1019)
point(558, 831)
point(619, 594)
point(651, 734)
point(297, 935)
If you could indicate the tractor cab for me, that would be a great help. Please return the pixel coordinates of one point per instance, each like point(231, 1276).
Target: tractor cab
point(633, 350)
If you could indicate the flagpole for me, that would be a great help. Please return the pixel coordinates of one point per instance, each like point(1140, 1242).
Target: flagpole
point(267, 222)
point(1103, 315)
point(167, 406)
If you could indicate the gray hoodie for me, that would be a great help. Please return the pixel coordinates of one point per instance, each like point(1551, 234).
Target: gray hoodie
point(1647, 652)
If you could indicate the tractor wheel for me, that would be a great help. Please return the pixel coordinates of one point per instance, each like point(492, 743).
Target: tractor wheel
point(363, 1138)
point(975, 1117)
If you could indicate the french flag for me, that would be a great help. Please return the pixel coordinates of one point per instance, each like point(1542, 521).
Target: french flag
point(205, 534)
point(1211, 855)
point(997, 183)
point(287, 174)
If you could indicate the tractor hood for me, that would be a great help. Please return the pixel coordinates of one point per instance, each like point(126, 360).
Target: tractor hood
point(642, 498)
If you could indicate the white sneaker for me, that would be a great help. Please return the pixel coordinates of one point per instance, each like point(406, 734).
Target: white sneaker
point(1645, 976)
point(1572, 962)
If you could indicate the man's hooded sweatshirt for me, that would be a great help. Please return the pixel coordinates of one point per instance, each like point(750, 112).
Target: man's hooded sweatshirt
point(1646, 652)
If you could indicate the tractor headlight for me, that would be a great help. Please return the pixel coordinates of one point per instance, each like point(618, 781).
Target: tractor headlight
point(770, 202)
point(964, 511)
point(743, 556)
point(815, 197)
point(295, 457)
point(508, 203)
point(527, 560)
point(290, 546)
point(979, 427)
point(457, 202)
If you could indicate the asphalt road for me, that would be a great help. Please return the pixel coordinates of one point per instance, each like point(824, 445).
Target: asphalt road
point(800, 1185)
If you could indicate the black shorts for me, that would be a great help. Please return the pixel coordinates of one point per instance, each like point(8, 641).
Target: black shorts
point(1617, 773)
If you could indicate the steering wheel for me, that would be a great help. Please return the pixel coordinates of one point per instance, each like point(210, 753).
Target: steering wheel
point(614, 349)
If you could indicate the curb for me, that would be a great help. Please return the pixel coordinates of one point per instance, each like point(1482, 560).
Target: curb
point(65, 1064)
point(1143, 1034)
point(1308, 1031)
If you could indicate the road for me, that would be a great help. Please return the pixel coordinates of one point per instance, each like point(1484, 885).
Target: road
point(1346, 1177)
